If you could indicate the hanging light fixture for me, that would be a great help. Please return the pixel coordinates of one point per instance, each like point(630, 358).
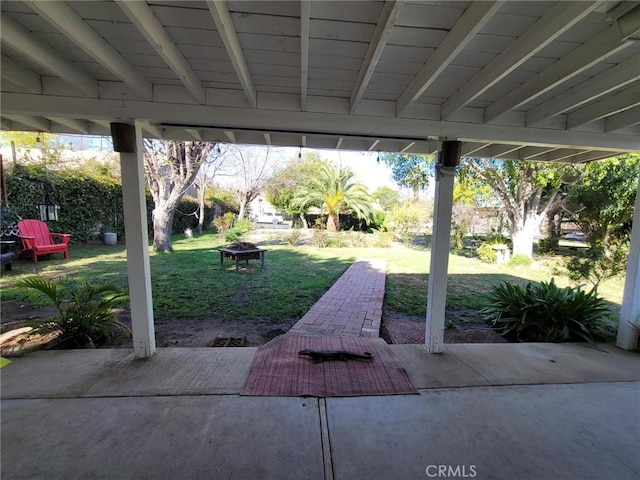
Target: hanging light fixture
point(300, 152)
point(48, 208)
point(38, 138)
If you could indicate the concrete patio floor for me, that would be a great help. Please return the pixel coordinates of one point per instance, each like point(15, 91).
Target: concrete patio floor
point(485, 411)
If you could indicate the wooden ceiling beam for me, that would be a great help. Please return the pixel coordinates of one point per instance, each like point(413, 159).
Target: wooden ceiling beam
point(612, 105)
point(69, 23)
point(558, 19)
point(386, 21)
point(22, 40)
point(465, 29)
point(599, 47)
point(16, 73)
point(616, 77)
point(148, 24)
point(224, 24)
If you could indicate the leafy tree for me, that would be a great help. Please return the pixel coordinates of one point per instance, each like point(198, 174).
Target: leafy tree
point(283, 184)
point(603, 198)
point(597, 264)
point(525, 189)
point(406, 217)
point(335, 191)
point(387, 197)
point(412, 171)
point(473, 192)
point(171, 168)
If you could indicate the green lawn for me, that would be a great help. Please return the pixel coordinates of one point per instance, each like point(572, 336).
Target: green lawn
point(189, 282)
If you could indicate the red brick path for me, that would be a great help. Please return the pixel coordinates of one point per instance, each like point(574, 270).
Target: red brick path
point(351, 307)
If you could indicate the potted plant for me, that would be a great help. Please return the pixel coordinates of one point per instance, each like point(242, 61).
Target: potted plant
point(110, 235)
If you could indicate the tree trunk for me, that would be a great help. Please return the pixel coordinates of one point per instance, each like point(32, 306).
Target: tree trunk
point(523, 240)
point(243, 208)
point(201, 205)
point(333, 222)
point(303, 221)
point(162, 227)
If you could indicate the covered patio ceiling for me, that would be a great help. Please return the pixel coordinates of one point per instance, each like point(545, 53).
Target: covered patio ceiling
point(548, 81)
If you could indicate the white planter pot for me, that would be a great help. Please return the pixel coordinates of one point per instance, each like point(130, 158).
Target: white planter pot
point(110, 238)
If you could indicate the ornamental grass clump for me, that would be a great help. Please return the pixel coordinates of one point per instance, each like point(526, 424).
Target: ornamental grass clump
point(547, 313)
point(86, 311)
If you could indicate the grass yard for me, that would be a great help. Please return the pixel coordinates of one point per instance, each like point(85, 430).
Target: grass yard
point(190, 285)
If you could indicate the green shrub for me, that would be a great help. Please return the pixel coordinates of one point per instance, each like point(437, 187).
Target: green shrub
point(384, 239)
point(358, 239)
point(338, 241)
point(320, 238)
point(548, 245)
point(546, 313)
point(223, 223)
point(520, 260)
point(497, 239)
point(292, 238)
point(245, 225)
point(460, 229)
point(86, 315)
point(233, 234)
point(487, 254)
point(597, 264)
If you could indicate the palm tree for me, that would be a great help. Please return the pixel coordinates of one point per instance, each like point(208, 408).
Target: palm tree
point(335, 191)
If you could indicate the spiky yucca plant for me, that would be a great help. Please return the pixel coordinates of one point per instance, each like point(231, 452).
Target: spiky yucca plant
point(547, 313)
point(86, 315)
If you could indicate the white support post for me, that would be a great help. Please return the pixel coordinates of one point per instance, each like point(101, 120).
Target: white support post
point(630, 310)
point(440, 246)
point(137, 238)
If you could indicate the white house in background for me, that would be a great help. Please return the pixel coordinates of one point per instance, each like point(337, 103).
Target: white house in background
point(260, 205)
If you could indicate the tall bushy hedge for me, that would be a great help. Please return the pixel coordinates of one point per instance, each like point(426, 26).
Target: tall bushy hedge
point(89, 201)
point(85, 199)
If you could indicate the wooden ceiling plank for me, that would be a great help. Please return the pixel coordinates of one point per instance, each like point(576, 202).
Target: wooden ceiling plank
point(78, 126)
point(195, 134)
point(231, 136)
point(599, 47)
point(384, 27)
point(305, 15)
point(617, 103)
point(150, 128)
point(465, 29)
point(618, 76)
point(16, 73)
point(148, 24)
point(621, 120)
point(37, 123)
point(68, 22)
point(407, 147)
point(503, 150)
point(558, 19)
point(227, 31)
point(530, 153)
point(23, 41)
point(472, 147)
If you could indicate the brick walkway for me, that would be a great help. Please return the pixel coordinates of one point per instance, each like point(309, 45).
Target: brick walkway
point(351, 307)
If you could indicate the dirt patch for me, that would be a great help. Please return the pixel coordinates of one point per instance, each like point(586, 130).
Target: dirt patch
point(463, 326)
point(192, 332)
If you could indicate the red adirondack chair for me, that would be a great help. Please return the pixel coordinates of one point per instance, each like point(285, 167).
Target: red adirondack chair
point(37, 240)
